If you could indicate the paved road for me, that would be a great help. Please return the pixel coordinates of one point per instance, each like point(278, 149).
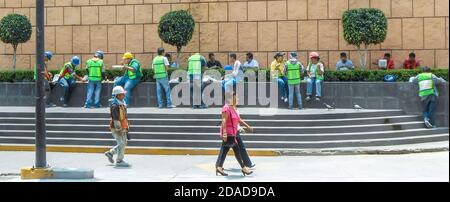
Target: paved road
point(408, 167)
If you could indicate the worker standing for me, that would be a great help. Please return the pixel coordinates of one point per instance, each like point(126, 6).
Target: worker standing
point(119, 127)
point(132, 75)
point(67, 77)
point(48, 79)
point(96, 71)
point(195, 64)
point(160, 66)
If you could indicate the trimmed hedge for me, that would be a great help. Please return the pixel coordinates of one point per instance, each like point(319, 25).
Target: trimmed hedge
point(351, 75)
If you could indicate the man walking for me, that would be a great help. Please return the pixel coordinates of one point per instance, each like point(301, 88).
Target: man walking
point(160, 66)
point(96, 71)
point(132, 75)
point(119, 127)
point(428, 94)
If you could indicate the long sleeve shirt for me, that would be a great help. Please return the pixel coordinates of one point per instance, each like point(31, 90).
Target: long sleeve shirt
point(436, 80)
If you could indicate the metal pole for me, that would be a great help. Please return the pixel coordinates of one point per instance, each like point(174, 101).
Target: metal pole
point(41, 161)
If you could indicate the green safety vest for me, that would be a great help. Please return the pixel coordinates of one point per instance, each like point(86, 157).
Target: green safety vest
point(195, 64)
point(293, 73)
point(318, 77)
point(133, 75)
point(67, 76)
point(426, 85)
point(95, 66)
point(159, 68)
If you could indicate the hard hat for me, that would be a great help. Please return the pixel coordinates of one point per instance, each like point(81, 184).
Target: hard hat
point(99, 54)
point(75, 60)
point(118, 90)
point(294, 54)
point(48, 54)
point(127, 55)
point(314, 55)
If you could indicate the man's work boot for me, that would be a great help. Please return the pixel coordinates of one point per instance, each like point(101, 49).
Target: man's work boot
point(122, 163)
point(110, 157)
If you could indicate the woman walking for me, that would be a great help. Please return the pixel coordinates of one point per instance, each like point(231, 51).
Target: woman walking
point(229, 132)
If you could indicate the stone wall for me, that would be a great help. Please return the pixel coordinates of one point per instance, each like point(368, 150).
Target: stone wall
point(82, 26)
point(370, 95)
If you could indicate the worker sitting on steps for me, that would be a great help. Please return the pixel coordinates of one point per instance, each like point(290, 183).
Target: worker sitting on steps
point(160, 66)
point(48, 79)
point(428, 94)
point(132, 75)
point(67, 78)
point(96, 71)
point(119, 126)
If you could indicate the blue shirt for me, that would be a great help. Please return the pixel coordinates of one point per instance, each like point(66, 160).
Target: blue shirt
point(344, 66)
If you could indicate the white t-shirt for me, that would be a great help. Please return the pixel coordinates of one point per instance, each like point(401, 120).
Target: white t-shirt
point(236, 68)
point(166, 62)
point(314, 67)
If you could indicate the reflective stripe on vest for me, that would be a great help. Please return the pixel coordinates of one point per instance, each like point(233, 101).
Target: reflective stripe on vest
point(133, 75)
point(293, 73)
point(95, 69)
point(68, 75)
point(318, 77)
point(195, 65)
point(426, 85)
point(159, 67)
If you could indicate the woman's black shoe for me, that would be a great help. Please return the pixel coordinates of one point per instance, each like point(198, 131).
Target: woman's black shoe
point(220, 171)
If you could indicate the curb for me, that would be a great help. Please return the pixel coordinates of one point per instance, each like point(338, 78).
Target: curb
point(162, 151)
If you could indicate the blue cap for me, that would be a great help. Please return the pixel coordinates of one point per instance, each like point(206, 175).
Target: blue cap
point(99, 54)
point(48, 54)
point(75, 60)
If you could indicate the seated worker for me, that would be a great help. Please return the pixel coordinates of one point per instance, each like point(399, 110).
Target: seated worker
point(386, 62)
point(411, 62)
point(213, 63)
point(250, 62)
point(67, 77)
point(344, 63)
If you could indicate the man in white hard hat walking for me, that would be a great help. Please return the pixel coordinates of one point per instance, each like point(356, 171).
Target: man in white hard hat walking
point(119, 126)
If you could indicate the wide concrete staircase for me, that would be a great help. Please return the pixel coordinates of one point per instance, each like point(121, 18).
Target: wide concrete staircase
point(310, 130)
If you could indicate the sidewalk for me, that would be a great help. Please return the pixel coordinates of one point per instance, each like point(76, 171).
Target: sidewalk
point(409, 167)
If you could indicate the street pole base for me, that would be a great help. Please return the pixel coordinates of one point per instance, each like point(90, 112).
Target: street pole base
point(29, 173)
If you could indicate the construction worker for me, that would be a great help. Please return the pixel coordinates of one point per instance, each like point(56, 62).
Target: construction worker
point(67, 77)
point(293, 71)
point(132, 75)
point(428, 94)
point(48, 78)
point(277, 72)
point(119, 126)
point(315, 72)
point(195, 64)
point(96, 71)
point(160, 66)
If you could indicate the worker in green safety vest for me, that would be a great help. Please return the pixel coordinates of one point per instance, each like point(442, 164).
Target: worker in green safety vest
point(48, 76)
point(195, 64)
point(132, 75)
point(96, 72)
point(315, 77)
point(67, 79)
point(428, 93)
point(293, 71)
point(160, 66)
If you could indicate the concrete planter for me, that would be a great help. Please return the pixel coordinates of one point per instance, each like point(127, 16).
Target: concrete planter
point(370, 95)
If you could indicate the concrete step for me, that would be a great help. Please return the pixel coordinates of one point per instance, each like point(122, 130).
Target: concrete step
point(215, 129)
point(249, 144)
point(214, 136)
point(214, 122)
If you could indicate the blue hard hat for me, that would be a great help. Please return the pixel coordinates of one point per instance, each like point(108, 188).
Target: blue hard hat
point(48, 54)
point(99, 54)
point(389, 78)
point(75, 60)
point(228, 68)
point(294, 54)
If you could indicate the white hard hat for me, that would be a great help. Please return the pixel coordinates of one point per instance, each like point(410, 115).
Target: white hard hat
point(118, 90)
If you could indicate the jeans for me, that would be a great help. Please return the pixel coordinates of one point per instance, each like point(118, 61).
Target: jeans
point(163, 84)
point(223, 154)
point(295, 89)
point(119, 149)
point(429, 107)
point(68, 85)
point(93, 88)
point(128, 85)
point(194, 96)
point(310, 82)
point(283, 86)
point(243, 151)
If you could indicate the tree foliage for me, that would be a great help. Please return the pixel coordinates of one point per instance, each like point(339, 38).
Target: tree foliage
point(176, 28)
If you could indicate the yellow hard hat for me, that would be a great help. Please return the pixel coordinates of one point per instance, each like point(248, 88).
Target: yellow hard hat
point(127, 55)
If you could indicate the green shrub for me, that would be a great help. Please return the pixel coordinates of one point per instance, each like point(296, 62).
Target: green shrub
point(335, 76)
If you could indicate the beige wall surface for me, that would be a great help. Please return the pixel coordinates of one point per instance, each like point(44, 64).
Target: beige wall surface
point(79, 27)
